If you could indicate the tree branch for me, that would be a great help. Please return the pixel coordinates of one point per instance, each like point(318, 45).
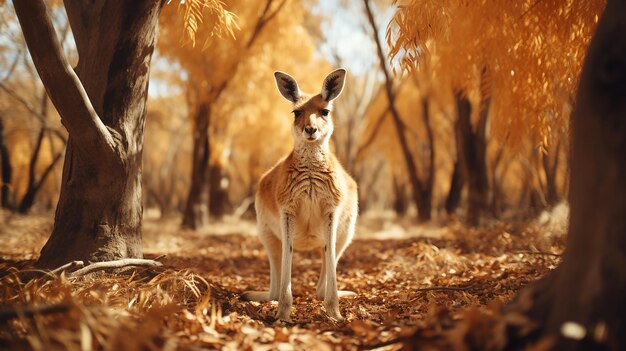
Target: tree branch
point(99, 266)
point(12, 68)
point(262, 21)
point(370, 139)
point(61, 82)
point(67, 266)
point(35, 113)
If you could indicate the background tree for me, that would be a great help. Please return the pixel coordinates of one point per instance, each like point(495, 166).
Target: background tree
point(596, 237)
point(496, 55)
point(28, 119)
point(212, 70)
point(103, 107)
point(587, 288)
point(422, 190)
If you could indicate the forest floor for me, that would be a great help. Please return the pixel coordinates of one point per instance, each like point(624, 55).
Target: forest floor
point(407, 278)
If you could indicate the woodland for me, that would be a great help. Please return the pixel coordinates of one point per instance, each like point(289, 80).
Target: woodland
point(487, 139)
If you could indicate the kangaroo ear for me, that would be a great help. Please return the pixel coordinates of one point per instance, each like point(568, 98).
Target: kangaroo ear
point(287, 86)
point(333, 84)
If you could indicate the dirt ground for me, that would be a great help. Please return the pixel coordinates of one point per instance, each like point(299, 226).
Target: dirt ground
point(406, 278)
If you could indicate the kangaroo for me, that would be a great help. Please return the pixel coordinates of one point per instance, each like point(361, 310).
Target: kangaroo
point(307, 200)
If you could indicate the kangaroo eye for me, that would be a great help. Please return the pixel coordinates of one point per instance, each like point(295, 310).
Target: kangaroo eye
point(297, 113)
point(325, 112)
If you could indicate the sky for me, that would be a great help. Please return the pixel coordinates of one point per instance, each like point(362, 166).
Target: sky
point(347, 33)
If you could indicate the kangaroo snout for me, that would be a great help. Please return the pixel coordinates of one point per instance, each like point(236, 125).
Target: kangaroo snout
point(310, 130)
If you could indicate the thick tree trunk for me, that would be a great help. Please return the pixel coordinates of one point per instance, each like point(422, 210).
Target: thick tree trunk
point(588, 288)
point(103, 106)
point(472, 153)
point(196, 215)
point(7, 171)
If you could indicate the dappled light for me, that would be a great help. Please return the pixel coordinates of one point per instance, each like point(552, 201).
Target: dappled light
point(312, 175)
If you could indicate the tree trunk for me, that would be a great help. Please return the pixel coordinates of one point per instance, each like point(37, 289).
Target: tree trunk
point(196, 214)
point(218, 196)
point(423, 207)
point(588, 288)
point(29, 197)
point(426, 198)
point(103, 107)
point(34, 184)
point(7, 171)
point(456, 188)
point(550, 168)
point(472, 152)
point(400, 203)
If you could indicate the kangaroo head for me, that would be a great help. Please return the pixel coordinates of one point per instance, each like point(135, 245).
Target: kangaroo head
point(312, 113)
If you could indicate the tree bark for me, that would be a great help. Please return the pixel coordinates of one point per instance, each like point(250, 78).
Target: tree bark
point(196, 214)
point(7, 171)
point(588, 288)
point(102, 104)
point(400, 203)
point(456, 188)
point(472, 153)
point(550, 168)
point(218, 196)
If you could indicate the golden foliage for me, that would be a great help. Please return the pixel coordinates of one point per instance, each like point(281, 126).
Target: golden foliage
point(249, 104)
point(532, 49)
point(212, 13)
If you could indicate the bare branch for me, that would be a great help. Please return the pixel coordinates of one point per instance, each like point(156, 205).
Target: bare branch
point(35, 113)
point(127, 262)
point(61, 82)
point(370, 139)
point(13, 65)
point(260, 24)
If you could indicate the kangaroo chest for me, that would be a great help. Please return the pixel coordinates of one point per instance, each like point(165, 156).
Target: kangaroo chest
point(312, 196)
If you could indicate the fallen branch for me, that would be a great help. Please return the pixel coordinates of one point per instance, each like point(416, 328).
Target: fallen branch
point(127, 262)
point(29, 311)
point(68, 266)
point(160, 257)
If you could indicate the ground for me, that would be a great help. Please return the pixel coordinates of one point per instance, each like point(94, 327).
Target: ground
point(410, 282)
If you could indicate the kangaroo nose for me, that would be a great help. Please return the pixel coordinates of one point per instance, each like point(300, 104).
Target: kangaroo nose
point(310, 130)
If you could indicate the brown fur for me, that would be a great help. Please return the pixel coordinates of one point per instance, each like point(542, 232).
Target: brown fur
point(307, 200)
